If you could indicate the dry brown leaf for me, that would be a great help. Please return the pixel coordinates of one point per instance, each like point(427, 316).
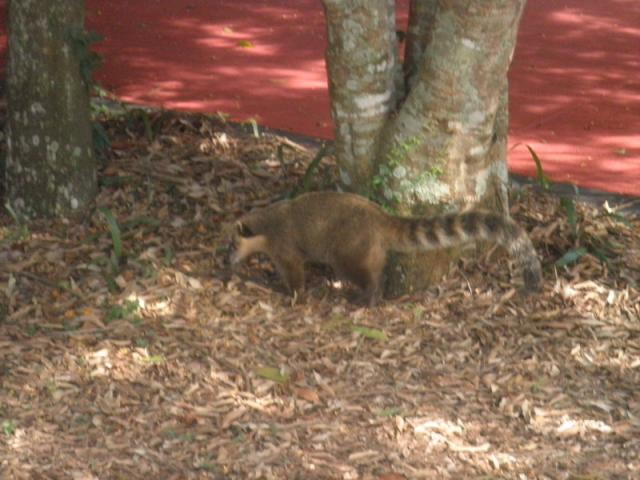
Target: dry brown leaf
point(170, 391)
point(307, 394)
point(232, 416)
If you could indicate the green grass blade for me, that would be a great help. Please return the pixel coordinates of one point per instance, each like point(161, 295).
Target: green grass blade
point(12, 212)
point(570, 209)
point(370, 333)
point(389, 412)
point(313, 166)
point(542, 179)
point(254, 127)
point(571, 256)
point(116, 235)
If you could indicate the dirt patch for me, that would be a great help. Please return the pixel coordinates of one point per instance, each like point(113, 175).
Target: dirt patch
point(159, 363)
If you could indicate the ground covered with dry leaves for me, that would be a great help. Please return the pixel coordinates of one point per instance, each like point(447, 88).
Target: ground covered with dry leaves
point(153, 360)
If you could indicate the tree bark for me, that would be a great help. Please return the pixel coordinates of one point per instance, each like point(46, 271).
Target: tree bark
point(364, 79)
point(50, 166)
point(443, 145)
point(422, 14)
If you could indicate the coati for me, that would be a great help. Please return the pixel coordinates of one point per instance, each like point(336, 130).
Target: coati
point(353, 236)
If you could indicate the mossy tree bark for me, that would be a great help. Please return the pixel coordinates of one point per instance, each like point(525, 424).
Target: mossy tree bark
point(429, 136)
point(365, 82)
point(50, 166)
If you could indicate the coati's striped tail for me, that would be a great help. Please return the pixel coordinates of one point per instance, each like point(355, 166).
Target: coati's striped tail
point(459, 228)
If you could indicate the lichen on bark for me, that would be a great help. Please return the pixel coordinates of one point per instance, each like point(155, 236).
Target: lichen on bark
point(50, 166)
point(363, 69)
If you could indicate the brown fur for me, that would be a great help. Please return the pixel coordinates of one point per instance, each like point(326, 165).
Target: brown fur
point(353, 236)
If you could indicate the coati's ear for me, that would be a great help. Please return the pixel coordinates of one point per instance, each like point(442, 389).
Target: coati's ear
point(243, 230)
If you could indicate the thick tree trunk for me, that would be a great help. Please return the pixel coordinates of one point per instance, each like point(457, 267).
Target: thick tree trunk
point(443, 146)
point(444, 131)
point(50, 167)
point(364, 79)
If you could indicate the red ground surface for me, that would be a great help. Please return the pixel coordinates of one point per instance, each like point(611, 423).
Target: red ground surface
point(575, 89)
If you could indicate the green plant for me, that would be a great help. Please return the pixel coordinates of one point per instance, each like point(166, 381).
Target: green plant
point(21, 232)
point(116, 237)
point(614, 214)
point(8, 427)
point(390, 412)
point(140, 114)
point(306, 184)
point(372, 333)
point(571, 256)
point(128, 310)
point(253, 123)
point(280, 153)
point(208, 466)
point(101, 142)
point(541, 178)
point(31, 329)
point(569, 207)
point(167, 256)
point(155, 360)
point(14, 215)
point(392, 181)
point(81, 41)
point(601, 249)
point(394, 160)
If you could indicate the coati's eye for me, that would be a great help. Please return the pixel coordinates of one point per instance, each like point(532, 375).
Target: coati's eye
point(243, 230)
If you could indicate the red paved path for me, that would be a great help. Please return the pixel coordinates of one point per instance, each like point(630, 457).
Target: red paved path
point(575, 88)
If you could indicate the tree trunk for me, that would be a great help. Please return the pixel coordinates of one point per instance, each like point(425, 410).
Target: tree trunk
point(50, 166)
point(421, 17)
point(364, 79)
point(442, 146)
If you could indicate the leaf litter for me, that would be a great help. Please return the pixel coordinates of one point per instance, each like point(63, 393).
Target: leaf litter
point(128, 348)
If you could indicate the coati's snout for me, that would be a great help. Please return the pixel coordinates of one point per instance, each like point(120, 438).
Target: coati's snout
point(245, 244)
point(236, 233)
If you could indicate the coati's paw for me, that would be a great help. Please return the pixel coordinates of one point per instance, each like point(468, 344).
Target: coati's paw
point(373, 301)
point(533, 279)
point(234, 258)
point(367, 299)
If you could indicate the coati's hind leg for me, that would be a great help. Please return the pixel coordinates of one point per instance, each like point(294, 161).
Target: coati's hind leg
point(366, 272)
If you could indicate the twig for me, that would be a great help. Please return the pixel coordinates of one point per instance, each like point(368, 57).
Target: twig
point(294, 145)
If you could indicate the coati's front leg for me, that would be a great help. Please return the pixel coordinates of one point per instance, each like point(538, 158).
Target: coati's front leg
point(373, 291)
point(375, 262)
point(370, 282)
point(288, 262)
point(291, 270)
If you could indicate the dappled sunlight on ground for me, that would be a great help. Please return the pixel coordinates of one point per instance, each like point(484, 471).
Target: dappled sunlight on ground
point(168, 365)
point(245, 63)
